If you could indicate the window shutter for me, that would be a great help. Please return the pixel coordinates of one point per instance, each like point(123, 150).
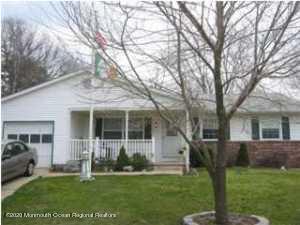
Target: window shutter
point(255, 129)
point(196, 129)
point(285, 124)
point(98, 132)
point(228, 131)
point(148, 128)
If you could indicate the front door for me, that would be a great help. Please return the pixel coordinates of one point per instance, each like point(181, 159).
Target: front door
point(171, 142)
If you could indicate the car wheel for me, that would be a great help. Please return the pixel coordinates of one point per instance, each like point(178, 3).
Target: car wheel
point(29, 169)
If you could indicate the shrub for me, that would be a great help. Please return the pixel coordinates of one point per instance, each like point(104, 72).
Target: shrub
point(195, 160)
point(122, 160)
point(139, 162)
point(104, 165)
point(109, 164)
point(242, 157)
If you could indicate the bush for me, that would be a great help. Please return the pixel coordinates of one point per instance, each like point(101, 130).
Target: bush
point(122, 160)
point(195, 160)
point(139, 162)
point(104, 165)
point(243, 157)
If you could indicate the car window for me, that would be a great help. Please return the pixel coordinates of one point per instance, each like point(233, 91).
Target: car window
point(24, 146)
point(7, 149)
point(18, 148)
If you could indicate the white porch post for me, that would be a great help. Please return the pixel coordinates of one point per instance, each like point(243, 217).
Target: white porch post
point(91, 122)
point(126, 129)
point(153, 149)
point(189, 136)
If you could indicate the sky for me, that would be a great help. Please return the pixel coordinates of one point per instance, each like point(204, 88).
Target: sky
point(34, 12)
point(27, 10)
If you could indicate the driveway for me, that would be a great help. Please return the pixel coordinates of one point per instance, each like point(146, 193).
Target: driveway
point(10, 187)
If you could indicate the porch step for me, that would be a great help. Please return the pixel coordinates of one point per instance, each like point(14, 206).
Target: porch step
point(169, 166)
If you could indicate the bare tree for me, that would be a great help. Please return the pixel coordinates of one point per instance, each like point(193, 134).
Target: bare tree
point(188, 50)
point(29, 57)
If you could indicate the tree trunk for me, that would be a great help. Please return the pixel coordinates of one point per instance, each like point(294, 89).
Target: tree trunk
point(220, 178)
point(220, 172)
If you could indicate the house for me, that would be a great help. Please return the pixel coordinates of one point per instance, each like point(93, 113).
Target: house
point(75, 112)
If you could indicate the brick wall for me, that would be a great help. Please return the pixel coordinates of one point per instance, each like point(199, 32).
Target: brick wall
point(268, 153)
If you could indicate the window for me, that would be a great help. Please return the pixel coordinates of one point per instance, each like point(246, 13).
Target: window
point(210, 127)
point(135, 128)
point(270, 129)
point(270, 133)
point(171, 130)
point(112, 128)
point(24, 138)
point(47, 138)
point(7, 149)
point(35, 138)
point(148, 128)
point(12, 136)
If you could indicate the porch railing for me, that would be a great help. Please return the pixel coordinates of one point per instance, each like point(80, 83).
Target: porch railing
point(109, 148)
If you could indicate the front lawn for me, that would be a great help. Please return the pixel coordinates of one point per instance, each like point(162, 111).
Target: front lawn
point(156, 200)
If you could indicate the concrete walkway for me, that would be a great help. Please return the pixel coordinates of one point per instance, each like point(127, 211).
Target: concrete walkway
point(10, 187)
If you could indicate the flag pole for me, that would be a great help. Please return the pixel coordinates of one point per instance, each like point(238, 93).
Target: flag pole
point(93, 60)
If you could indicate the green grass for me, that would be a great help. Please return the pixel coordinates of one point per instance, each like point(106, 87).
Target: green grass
point(159, 200)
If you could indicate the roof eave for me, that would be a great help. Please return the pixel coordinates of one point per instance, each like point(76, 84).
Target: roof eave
point(45, 84)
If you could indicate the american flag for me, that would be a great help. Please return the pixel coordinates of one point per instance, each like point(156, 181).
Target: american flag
point(100, 40)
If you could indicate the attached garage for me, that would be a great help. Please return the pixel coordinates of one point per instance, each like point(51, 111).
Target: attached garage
point(38, 134)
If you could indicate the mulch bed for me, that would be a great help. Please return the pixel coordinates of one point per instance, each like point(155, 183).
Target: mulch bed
point(234, 219)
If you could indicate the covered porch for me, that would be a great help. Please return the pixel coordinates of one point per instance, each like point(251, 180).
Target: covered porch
point(105, 131)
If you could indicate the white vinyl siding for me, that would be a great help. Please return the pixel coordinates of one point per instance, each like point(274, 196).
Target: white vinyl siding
point(56, 103)
point(60, 101)
point(295, 127)
point(240, 128)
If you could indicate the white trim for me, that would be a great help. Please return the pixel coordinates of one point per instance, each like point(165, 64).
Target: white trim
point(210, 140)
point(189, 136)
point(140, 109)
point(126, 128)
point(45, 84)
point(91, 126)
point(270, 139)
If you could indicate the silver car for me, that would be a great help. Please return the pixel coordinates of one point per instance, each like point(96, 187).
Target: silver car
point(17, 159)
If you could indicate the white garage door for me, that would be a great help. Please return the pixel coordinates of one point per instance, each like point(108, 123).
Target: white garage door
point(36, 134)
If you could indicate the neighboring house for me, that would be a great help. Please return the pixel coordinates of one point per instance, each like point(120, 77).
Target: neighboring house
point(58, 118)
